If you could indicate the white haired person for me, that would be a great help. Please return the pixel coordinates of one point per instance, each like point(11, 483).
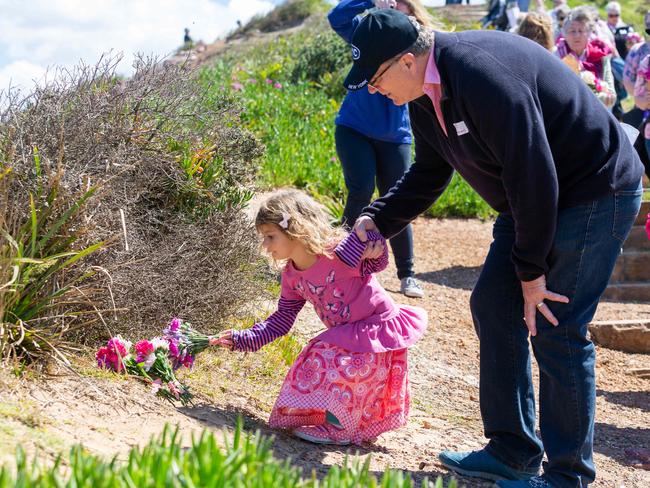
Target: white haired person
point(588, 56)
point(535, 143)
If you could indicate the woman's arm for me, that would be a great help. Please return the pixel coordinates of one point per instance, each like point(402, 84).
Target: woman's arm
point(607, 94)
point(344, 17)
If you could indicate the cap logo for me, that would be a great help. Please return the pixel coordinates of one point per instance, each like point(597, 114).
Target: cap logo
point(356, 54)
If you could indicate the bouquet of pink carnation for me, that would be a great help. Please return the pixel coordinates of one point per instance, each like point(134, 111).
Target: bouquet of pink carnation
point(185, 342)
point(116, 356)
point(151, 362)
point(153, 357)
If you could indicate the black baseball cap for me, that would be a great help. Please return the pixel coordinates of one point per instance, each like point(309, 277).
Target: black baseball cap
point(380, 35)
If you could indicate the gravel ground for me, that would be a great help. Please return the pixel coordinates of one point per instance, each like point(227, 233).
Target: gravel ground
point(110, 415)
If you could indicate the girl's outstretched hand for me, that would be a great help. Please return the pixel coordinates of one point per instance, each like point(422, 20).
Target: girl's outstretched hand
point(223, 339)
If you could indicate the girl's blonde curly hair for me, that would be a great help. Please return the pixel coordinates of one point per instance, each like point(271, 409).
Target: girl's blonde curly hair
point(301, 218)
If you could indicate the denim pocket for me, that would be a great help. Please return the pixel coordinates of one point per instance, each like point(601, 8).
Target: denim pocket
point(626, 207)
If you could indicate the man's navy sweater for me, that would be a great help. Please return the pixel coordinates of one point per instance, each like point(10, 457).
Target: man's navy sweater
point(524, 131)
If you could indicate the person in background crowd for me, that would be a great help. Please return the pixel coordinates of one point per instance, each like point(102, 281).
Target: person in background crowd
point(373, 138)
point(187, 40)
point(642, 101)
point(634, 57)
point(561, 12)
point(588, 56)
point(495, 16)
point(538, 27)
point(620, 30)
point(533, 141)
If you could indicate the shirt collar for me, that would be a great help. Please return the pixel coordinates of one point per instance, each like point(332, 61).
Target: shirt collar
point(431, 75)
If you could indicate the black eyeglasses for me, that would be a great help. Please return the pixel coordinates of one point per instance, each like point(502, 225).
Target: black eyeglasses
point(374, 81)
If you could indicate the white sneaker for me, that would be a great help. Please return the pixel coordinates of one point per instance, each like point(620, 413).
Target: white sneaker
point(319, 434)
point(411, 288)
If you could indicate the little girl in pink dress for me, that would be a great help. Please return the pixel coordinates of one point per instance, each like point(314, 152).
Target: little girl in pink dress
point(350, 383)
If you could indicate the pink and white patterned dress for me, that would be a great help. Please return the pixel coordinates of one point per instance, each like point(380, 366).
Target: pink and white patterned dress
point(357, 369)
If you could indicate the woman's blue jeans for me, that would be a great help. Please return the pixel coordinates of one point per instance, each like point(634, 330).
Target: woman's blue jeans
point(367, 162)
point(587, 241)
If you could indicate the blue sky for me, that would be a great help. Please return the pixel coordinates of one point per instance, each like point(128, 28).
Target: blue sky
point(37, 35)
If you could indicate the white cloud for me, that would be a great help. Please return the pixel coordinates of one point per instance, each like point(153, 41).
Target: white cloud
point(41, 34)
point(20, 74)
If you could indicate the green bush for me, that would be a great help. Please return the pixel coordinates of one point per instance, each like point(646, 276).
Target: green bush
point(322, 60)
point(289, 13)
point(174, 168)
point(296, 122)
point(44, 286)
point(245, 462)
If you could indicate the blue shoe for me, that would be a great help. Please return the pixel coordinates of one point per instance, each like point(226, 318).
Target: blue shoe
point(481, 464)
point(534, 482)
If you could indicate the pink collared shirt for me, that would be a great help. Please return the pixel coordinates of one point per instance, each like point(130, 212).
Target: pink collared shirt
point(433, 88)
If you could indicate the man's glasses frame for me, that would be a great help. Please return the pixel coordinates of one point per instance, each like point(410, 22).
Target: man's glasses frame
point(376, 79)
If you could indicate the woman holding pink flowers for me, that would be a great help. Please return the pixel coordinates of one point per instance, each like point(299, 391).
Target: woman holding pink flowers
point(350, 383)
point(589, 56)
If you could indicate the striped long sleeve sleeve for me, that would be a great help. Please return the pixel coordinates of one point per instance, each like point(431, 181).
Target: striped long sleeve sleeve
point(276, 325)
point(351, 249)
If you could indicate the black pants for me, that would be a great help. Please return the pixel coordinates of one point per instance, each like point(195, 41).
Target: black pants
point(367, 162)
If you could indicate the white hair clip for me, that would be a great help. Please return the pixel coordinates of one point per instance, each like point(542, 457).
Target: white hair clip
point(284, 223)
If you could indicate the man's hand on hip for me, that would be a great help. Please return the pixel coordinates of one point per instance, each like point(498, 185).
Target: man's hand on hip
point(535, 293)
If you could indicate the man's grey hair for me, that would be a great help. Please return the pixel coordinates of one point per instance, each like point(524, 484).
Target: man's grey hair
point(423, 43)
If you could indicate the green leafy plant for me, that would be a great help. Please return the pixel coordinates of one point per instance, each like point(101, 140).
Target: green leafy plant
point(247, 460)
point(296, 121)
point(44, 292)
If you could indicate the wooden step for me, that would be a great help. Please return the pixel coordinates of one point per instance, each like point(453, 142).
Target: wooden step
point(461, 15)
point(632, 266)
point(628, 292)
point(637, 240)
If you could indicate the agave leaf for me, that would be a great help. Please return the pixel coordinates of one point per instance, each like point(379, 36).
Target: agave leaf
point(64, 218)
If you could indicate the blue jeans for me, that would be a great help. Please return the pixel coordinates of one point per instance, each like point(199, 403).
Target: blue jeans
point(587, 241)
point(366, 160)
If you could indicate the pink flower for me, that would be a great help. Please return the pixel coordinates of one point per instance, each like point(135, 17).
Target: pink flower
point(173, 348)
point(175, 324)
point(278, 85)
point(333, 159)
point(174, 390)
point(143, 349)
point(252, 81)
point(268, 81)
point(114, 344)
point(188, 361)
point(237, 86)
point(102, 357)
point(647, 226)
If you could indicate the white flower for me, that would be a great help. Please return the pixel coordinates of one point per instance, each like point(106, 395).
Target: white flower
point(149, 360)
point(159, 342)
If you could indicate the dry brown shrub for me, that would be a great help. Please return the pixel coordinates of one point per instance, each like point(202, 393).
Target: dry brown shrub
point(190, 249)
